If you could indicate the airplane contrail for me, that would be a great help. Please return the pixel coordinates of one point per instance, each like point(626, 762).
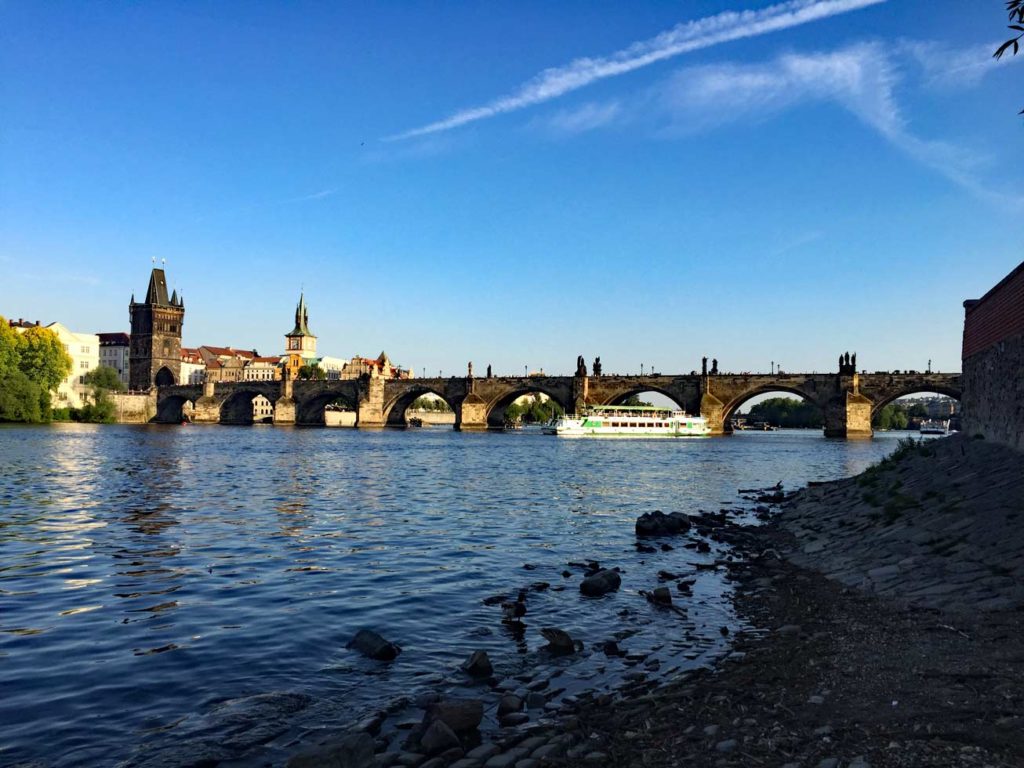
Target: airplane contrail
point(683, 38)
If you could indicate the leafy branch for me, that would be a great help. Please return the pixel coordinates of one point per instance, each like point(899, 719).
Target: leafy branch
point(1015, 14)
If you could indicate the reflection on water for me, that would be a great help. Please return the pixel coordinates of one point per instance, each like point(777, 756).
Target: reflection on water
point(174, 568)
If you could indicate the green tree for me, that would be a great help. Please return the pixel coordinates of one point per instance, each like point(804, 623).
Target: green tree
point(786, 412)
point(8, 347)
point(533, 410)
point(103, 380)
point(43, 358)
point(635, 400)
point(21, 399)
point(312, 372)
point(891, 416)
point(32, 363)
point(918, 411)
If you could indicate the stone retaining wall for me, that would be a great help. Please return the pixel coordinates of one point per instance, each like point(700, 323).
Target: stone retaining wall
point(993, 363)
point(133, 408)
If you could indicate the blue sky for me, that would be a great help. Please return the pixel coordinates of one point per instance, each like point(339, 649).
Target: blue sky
point(517, 183)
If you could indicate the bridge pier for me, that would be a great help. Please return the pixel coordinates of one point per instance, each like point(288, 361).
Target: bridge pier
point(370, 412)
point(471, 414)
point(206, 409)
point(849, 414)
point(713, 411)
point(284, 408)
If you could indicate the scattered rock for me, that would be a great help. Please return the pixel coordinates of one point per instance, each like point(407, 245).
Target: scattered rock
point(560, 642)
point(438, 737)
point(461, 715)
point(370, 644)
point(661, 596)
point(515, 718)
point(536, 700)
point(728, 745)
point(657, 523)
point(479, 665)
point(600, 583)
point(508, 704)
point(352, 751)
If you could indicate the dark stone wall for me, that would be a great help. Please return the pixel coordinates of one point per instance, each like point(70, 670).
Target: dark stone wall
point(993, 402)
point(993, 363)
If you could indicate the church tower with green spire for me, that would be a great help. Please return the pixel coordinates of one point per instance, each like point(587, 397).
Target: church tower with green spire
point(300, 343)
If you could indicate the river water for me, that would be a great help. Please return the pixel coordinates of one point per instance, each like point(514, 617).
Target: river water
point(150, 574)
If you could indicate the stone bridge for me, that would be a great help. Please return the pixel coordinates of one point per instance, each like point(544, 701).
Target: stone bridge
point(847, 399)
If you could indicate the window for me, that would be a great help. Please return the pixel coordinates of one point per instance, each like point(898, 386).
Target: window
point(84, 364)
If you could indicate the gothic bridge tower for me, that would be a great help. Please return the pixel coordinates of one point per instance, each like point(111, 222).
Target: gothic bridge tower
point(154, 357)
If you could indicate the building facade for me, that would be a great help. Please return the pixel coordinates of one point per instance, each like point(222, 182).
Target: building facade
point(84, 349)
point(114, 353)
point(155, 354)
point(193, 369)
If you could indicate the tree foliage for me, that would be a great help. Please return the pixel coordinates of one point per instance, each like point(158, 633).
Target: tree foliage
point(312, 372)
point(42, 357)
point(1015, 14)
point(534, 409)
point(32, 364)
point(635, 400)
point(104, 377)
point(100, 409)
point(891, 416)
point(430, 403)
point(788, 412)
point(21, 399)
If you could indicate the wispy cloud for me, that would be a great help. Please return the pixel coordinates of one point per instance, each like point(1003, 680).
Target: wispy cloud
point(314, 196)
point(683, 38)
point(862, 78)
point(584, 118)
point(946, 67)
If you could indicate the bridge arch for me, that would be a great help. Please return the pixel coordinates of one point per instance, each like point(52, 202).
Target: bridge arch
point(496, 408)
point(173, 409)
point(164, 377)
point(620, 397)
point(915, 389)
point(732, 407)
point(309, 410)
point(394, 410)
point(236, 408)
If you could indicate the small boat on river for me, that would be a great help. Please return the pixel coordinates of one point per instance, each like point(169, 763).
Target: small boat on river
point(628, 421)
point(934, 427)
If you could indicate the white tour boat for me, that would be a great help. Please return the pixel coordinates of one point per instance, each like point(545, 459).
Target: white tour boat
point(628, 421)
point(934, 427)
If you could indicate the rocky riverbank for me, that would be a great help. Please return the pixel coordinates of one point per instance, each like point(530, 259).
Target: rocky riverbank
point(883, 630)
point(890, 633)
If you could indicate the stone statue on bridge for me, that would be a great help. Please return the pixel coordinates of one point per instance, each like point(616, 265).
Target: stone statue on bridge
point(581, 366)
point(597, 366)
point(714, 367)
point(469, 370)
point(489, 374)
point(704, 366)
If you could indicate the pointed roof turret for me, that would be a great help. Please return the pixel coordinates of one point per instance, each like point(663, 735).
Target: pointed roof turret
point(301, 319)
point(157, 293)
point(174, 297)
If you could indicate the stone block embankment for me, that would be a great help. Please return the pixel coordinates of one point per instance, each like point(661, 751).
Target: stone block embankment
point(939, 526)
